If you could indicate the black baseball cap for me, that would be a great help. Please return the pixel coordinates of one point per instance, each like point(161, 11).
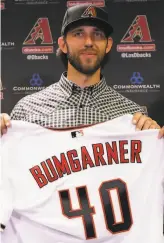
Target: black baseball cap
point(86, 13)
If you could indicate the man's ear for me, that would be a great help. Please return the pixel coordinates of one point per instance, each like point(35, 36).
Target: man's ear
point(109, 44)
point(62, 44)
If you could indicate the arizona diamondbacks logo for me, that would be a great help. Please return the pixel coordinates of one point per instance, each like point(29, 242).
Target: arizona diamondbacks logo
point(89, 12)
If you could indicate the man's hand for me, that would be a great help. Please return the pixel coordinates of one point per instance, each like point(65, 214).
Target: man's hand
point(143, 122)
point(4, 123)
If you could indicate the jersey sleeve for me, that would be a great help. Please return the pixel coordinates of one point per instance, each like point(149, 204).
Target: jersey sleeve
point(6, 191)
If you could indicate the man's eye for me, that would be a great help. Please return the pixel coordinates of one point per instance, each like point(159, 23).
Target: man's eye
point(99, 34)
point(78, 34)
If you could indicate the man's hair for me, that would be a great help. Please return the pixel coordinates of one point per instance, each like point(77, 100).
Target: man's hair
point(60, 54)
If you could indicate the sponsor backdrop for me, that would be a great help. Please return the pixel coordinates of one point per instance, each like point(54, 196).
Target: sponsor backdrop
point(30, 29)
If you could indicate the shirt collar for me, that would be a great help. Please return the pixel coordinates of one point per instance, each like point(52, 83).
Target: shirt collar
point(68, 86)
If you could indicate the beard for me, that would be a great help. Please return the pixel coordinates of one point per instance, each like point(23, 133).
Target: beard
point(88, 68)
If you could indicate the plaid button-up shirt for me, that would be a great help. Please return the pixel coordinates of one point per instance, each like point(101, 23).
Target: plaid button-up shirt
point(64, 104)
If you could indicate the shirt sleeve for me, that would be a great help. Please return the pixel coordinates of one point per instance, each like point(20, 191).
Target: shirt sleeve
point(133, 107)
point(121, 105)
point(18, 113)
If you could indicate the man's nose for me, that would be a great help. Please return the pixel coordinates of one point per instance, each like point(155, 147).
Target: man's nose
point(88, 41)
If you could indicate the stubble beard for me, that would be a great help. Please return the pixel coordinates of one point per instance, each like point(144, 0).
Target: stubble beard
point(75, 61)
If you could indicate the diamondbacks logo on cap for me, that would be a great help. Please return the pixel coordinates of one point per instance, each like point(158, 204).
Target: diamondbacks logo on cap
point(89, 12)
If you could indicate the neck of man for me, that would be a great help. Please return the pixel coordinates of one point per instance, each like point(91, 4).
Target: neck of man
point(80, 79)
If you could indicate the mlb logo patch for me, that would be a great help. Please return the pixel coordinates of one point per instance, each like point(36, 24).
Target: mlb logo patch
point(76, 134)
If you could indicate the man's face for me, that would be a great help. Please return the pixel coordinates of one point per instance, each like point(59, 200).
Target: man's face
point(86, 47)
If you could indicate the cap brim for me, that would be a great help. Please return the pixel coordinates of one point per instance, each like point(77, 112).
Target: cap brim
point(98, 22)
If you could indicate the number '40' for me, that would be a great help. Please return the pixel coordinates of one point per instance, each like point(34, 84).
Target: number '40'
point(86, 211)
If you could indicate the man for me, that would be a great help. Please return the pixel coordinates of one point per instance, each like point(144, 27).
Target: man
point(81, 96)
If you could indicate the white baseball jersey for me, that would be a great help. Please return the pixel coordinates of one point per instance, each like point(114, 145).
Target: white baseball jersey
point(102, 184)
